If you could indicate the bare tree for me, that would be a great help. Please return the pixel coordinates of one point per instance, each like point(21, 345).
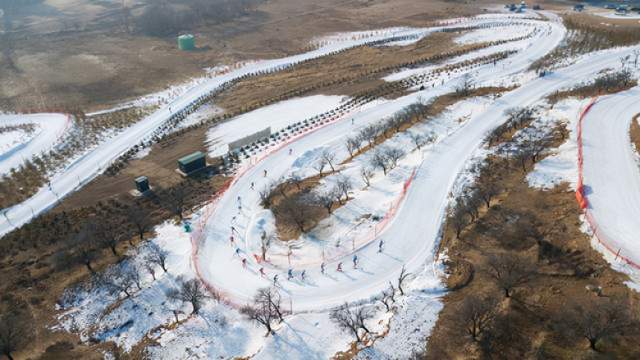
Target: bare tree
point(352, 144)
point(84, 246)
point(487, 188)
point(393, 154)
point(174, 199)
point(328, 198)
point(366, 173)
point(596, 320)
point(465, 86)
point(386, 299)
point(344, 185)
point(140, 219)
point(368, 134)
point(265, 196)
point(420, 140)
point(190, 291)
point(458, 216)
point(266, 308)
point(476, 315)
point(404, 275)
point(351, 320)
point(296, 209)
point(157, 255)
point(319, 165)
point(509, 271)
point(108, 234)
point(379, 160)
point(118, 279)
point(16, 330)
point(329, 157)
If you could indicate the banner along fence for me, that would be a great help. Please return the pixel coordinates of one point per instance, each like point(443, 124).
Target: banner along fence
point(583, 201)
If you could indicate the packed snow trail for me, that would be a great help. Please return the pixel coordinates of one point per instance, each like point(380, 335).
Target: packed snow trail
point(611, 172)
point(49, 130)
point(410, 238)
point(83, 170)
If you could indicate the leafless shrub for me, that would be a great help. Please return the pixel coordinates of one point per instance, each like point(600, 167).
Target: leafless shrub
point(595, 320)
point(190, 291)
point(266, 308)
point(509, 271)
point(351, 320)
point(366, 173)
point(476, 315)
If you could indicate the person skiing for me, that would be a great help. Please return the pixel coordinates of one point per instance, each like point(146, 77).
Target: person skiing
point(380, 245)
point(322, 268)
point(339, 267)
point(238, 251)
point(355, 261)
point(275, 280)
point(239, 199)
point(231, 240)
point(290, 274)
point(303, 274)
point(265, 172)
point(244, 263)
point(252, 184)
point(290, 151)
point(262, 272)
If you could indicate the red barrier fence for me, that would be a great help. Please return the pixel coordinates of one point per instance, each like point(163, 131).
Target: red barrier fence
point(197, 235)
point(581, 197)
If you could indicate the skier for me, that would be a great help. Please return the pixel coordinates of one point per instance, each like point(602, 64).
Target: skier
point(275, 280)
point(355, 261)
point(239, 199)
point(339, 267)
point(302, 274)
point(290, 151)
point(352, 121)
point(233, 229)
point(262, 272)
point(322, 268)
point(252, 185)
point(244, 263)
point(290, 274)
point(380, 244)
point(231, 240)
point(238, 251)
point(265, 172)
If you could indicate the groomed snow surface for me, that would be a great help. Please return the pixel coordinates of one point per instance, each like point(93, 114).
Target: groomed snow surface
point(18, 146)
point(409, 239)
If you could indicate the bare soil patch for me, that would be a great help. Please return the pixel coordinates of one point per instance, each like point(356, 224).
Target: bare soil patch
point(540, 228)
point(634, 132)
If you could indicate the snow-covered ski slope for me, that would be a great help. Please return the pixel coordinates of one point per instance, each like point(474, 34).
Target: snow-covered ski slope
point(48, 130)
point(93, 163)
point(411, 238)
point(612, 173)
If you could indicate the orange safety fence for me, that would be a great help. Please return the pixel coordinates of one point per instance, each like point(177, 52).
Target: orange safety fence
point(583, 202)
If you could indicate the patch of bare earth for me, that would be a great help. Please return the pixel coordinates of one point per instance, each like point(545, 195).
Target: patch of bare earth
point(634, 132)
point(530, 242)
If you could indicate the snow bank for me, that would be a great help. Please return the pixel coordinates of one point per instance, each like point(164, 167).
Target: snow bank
point(277, 116)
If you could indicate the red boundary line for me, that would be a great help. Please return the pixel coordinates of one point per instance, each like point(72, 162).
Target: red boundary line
point(583, 202)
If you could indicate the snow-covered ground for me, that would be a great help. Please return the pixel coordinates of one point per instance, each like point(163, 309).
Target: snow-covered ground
point(16, 147)
point(409, 238)
point(611, 172)
point(276, 116)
